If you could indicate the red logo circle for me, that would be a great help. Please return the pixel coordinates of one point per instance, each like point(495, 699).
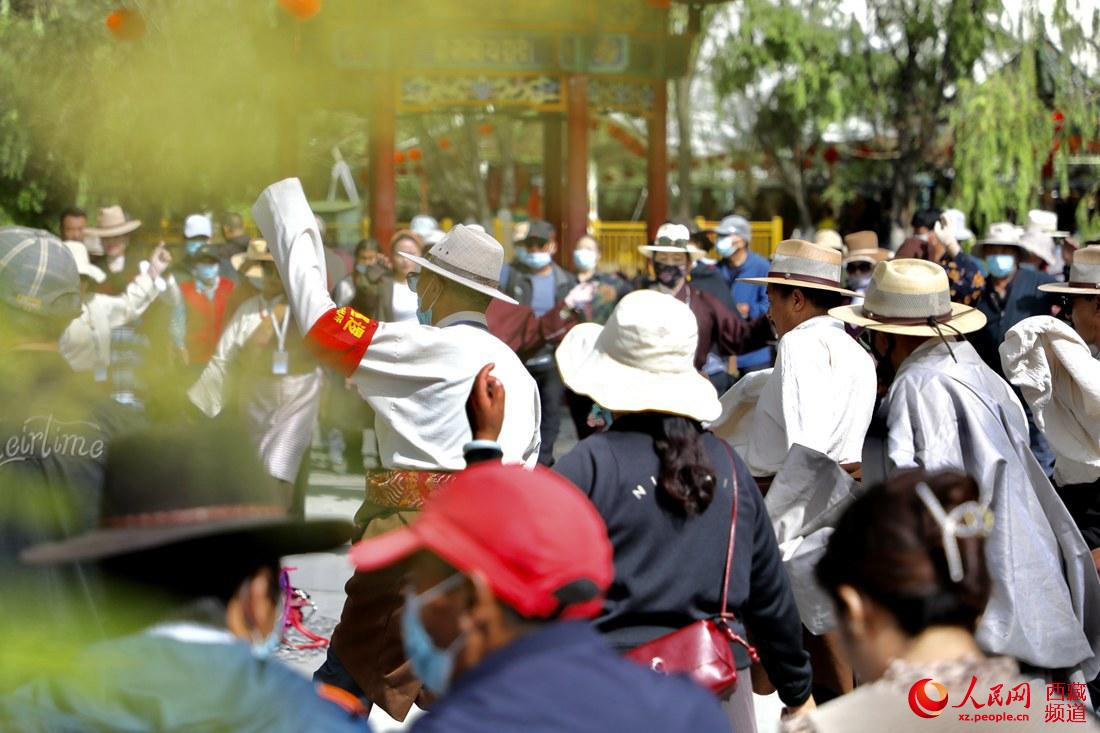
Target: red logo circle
point(923, 703)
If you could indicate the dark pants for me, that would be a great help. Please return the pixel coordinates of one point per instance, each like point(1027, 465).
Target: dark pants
point(551, 393)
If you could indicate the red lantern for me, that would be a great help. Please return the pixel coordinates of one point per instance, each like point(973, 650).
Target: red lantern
point(1059, 120)
point(415, 154)
point(444, 143)
point(125, 24)
point(831, 155)
point(485, 130)
point(301, 9)
point(398, 157)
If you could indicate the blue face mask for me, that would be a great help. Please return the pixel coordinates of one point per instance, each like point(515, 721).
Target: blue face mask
point(424, 315)
point(584, 259)
point(1000, 265)
point(192, 246)
point(536, 260)
point(266, 647)
point(1029, 266)
point(431, 664)
point(205, 272)
point(725, 247)
point(599, 418)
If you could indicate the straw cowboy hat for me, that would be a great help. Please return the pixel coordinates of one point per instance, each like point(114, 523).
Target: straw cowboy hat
point(112, 222)
point(905, 297)
point(177, 493)
point(829, 238)
point(1003, 234)
point(672, 238)
point(470, 258)
point(83, 265)
point(642, 360)
point(257, 252)
point(1084, 274)
point(805, 265)
point(863, 247)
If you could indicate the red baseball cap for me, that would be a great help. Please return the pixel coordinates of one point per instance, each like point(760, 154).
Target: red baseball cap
point(538, 541)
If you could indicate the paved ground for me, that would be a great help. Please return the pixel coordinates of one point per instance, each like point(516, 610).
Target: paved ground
point(323, 577)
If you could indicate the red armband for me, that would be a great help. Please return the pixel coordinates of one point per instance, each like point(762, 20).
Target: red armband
point(340, 337)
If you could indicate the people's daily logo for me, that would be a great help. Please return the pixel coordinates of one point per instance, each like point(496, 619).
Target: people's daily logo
point(927, 698)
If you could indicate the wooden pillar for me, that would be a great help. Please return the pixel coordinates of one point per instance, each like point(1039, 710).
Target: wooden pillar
point(383, 181)
point(551, 171)
point(657, 160)
point(576, 167)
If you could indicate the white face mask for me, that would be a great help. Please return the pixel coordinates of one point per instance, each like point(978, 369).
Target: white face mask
point(725, 246)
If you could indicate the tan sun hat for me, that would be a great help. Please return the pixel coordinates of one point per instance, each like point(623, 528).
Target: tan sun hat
point(1002, 233)
point(904, 296)
point(469, 257)
point(257, 252)
point(672, 238)
point(83, 265)
point(643, 360)
point(806, 265)
point(829, 238)
point(863, 247)
point(112, 222)
point(1084, 274)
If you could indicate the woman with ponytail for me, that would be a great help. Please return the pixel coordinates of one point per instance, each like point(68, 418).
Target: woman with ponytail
point(665, 488)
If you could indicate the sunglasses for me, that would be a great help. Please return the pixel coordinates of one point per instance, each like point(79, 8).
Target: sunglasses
point(854, 267)
point(667, 242)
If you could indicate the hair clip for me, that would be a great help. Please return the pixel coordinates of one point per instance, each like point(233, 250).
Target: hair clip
point(969, 519)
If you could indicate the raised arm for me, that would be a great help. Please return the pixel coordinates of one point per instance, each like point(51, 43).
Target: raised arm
point(338, 337)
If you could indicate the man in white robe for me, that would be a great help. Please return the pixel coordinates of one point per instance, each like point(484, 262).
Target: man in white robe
point(417, 379)
point(946, 409)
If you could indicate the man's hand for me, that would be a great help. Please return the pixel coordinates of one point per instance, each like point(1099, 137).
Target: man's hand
point(802, 709)
point(485, 407)
point(159, 260)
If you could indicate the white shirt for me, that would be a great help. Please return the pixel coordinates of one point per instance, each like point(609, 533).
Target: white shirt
point(416, 378)
point(404, 302)
point(86, 343)
point(820, 394)
point(208, 393)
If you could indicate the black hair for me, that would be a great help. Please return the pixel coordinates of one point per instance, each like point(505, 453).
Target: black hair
point(888, 546)
point(925, 218)
point(366, 245)
point(233, 220)
point(822, 299)
point(71, 211)
point(686, 478)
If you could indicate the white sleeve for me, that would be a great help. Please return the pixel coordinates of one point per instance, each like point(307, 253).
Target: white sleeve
point(283, 215)
point(139, 294)
point(208, 393)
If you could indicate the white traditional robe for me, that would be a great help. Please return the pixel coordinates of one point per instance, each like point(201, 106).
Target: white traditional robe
point(416, 378)
point(86, 342)
point(943, 414)
point(1060, 380)
point(820, 394)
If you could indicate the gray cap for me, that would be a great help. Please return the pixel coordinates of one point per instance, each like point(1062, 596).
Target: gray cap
point(38, 273)
point(738, 225)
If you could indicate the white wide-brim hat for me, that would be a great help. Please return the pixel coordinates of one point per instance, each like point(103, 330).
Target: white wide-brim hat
point(112, 222)
point(672, 238)
point(905, 297)
point(470, 258)
point(643, 360)
point(1001, 234)
point(803, 264)
point(83, 265)
point(1084, 274)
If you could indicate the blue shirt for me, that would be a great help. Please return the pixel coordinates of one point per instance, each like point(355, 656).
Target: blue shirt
point(755, 297)
point(564, 677)
point(542, 293)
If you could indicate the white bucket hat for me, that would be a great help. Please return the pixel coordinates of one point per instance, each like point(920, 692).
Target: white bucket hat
point(1084, 274)
point(1002, 233)
point(469, 257)
point(83, 265)
point(1039, 244)
point(957, 220)
point(805, 265)
point(112, 222)
point(905, 297)
point(1045, 222)
point(643, 360)
point(672, 238)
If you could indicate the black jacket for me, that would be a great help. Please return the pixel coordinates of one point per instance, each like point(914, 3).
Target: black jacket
point(668, 568)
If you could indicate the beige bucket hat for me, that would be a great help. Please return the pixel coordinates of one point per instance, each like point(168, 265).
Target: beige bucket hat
point(806, 265)
point(643, 360)
point(1002, 233)
point(672, 238)
point(112, 222)
point(906, 297)
point(863, 247)
point(1084, 274)
point(83, 265)
point(257, 252)
point(469, 257)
